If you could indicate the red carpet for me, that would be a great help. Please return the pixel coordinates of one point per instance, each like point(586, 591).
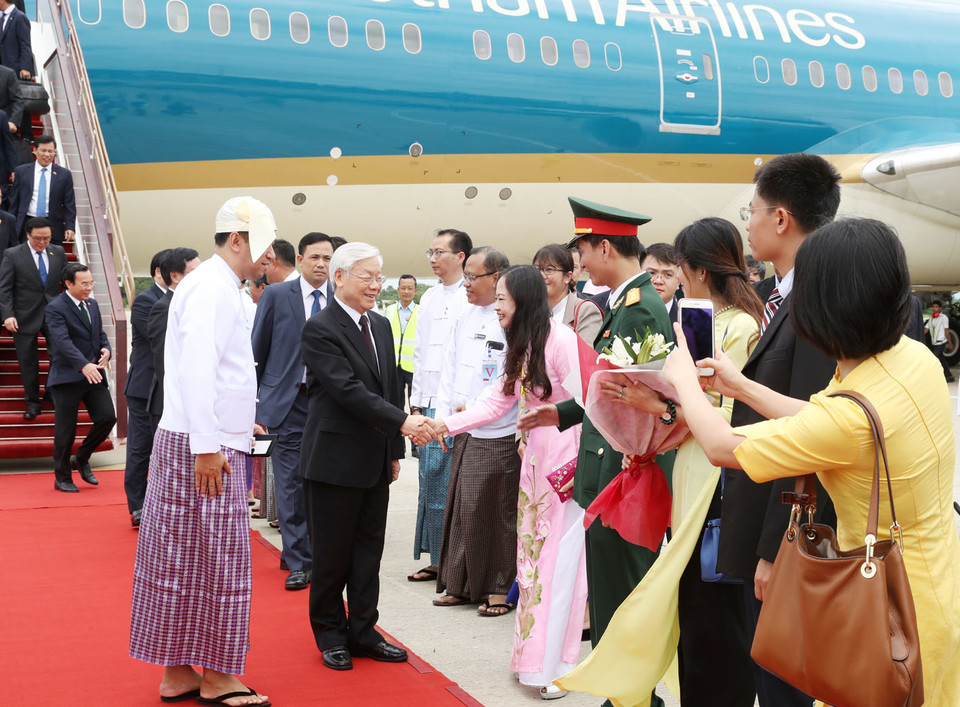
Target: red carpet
point(67, 561)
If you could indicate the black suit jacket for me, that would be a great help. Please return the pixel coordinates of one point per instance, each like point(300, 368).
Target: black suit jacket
point(753, 519)
point(157, 334)
point(355, 408)
point(11, 98)
point(22, 293)
point(140, 375)
point(9, 235)
point(62, 207)
point(73, 344)
point(15, 50)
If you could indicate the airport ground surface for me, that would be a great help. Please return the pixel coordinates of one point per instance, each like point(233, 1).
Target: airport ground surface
point(471, 650)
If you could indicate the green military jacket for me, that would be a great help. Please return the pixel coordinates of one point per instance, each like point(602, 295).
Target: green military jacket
point(598, 463)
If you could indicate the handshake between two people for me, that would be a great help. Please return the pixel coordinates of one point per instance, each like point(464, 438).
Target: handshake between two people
point(422, 430)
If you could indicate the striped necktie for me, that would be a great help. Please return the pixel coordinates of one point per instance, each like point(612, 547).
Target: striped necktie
point(773, 304)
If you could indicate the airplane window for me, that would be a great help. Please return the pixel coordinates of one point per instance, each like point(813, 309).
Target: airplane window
point(482, 46)
point(611, 52)
point(219, 17)
point(946, 84)
point(920, 83)
point(515, 49)
point(337, 31)
point(177, 18)
point(581, 53)
point(844, 80)
point(376, 39)
point(412, 41)
point(259, 23)
point(896, 80)
point(870, 78)
point(299, 27)
point(761, 69)
point(548, 51)
point(816, 74)
point(789, 72)
point(134, 13)
point(90, 11)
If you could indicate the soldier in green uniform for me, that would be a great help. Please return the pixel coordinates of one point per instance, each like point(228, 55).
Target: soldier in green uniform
point(610, 250)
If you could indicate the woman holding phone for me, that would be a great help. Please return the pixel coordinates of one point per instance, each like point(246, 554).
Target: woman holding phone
point(551, 561)
point(711, 614)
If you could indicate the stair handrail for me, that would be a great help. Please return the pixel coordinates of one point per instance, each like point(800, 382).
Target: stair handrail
point(101, 187)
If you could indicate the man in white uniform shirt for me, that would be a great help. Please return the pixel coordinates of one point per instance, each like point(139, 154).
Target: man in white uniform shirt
point(937, 326)
point(478, 560)
point(439, 308)
point(192, 577)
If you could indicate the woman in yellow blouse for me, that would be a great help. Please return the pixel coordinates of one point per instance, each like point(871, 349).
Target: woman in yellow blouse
point(851, 300)
point(711, 615)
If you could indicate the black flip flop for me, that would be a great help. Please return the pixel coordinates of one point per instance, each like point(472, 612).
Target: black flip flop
point(431, 576)
point(483, 609)
point(220, 699)
point(460, 601)
point(183, 696)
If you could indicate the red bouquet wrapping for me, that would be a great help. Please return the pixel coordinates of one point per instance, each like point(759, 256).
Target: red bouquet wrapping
point(637, 502)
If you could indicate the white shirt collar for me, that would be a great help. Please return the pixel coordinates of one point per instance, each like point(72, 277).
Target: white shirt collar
point(354, 314)
point(223, 265)
point(408, 308)
point(307, 289)
point(615, 295)
point(76, 302)
point(9, 10)
point(785, 284)
point(559, 310)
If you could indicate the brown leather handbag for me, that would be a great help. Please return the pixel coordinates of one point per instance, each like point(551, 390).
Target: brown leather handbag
point(841, 625)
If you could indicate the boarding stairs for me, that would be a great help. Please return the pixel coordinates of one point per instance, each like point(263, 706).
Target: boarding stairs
point(99, 241)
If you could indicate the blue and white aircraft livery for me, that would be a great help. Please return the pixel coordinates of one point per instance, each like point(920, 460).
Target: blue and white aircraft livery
point(383, 120)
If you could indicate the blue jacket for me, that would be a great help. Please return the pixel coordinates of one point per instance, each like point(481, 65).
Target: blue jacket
point(276, 349)
point(72, 343)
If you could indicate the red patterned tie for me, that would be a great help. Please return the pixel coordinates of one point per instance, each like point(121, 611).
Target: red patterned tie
point(773, 304)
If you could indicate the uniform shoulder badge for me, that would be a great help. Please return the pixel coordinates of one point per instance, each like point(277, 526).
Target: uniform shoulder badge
point(633, 296)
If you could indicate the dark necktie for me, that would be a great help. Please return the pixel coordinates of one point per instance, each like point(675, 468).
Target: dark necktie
point(85, 315)
point(42, 267)
point(365, 330)
point(773, 304)
point(316, 302)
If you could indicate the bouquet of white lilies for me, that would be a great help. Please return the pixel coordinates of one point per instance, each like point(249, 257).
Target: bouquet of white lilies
point(624, 352)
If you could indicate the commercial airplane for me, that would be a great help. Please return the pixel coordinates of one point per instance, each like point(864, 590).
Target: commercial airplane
point(383, 120)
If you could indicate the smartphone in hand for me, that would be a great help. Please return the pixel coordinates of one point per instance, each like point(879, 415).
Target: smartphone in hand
point(696, 320)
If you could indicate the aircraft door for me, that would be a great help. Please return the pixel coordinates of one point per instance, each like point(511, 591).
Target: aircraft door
point(690, 89)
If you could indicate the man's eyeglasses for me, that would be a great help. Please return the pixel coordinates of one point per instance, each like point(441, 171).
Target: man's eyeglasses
point(438, 252)
point(662, 274)
point(368, 280)
point(473, 278)
point(747, 211)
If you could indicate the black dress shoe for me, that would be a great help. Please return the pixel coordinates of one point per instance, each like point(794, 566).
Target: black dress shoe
point(298, 579)
point(283, 565)
point(86, 473)
point(65, 486)
point(383, 651)
point(135, 518)
point(337, 658)
point(31, 413)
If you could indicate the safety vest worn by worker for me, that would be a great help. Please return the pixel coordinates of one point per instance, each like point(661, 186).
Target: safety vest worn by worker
point(403, 340)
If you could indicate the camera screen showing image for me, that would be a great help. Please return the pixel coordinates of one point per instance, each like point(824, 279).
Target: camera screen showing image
point(698, 331)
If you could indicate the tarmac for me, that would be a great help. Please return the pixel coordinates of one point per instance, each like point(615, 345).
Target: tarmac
point(472, 650)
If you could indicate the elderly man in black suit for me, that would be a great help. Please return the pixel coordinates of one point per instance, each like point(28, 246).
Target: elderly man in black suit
point(45, 189)
point(352, 446)
point(29, 278)
point(140, 425)
point(79, 351)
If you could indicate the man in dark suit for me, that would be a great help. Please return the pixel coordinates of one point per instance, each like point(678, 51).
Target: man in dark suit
point(795, 194)
point(79, 351)
point(282, 400)
point(11, 99)
point(45, 189)
point(140, 426)
point(29, 278)
point(352, 446)
point(15, 50)
point(174, 266)
point(9, 235)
